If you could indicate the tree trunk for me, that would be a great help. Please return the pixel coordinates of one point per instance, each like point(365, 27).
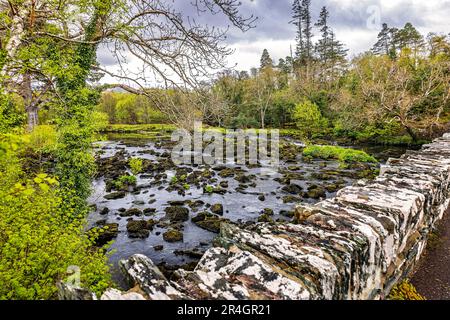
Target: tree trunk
point(17, 33)
point(411, 133)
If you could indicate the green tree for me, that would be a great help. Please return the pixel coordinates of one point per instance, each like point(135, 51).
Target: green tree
point(266, 60)
point(309, 119)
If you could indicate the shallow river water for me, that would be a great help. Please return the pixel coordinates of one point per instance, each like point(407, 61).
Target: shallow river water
point(243, 201)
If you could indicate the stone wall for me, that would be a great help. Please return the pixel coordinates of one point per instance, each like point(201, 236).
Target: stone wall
point(354, 246)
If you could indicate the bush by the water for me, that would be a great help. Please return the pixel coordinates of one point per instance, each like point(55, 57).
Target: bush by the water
point(37, 244)
point(345, 155)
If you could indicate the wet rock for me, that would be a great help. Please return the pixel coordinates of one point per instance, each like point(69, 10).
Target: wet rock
point(131, 213)
point(291, 199)
point(207, 222)
point(138, 202)
point(268, 211)
point(138, 229)
point(243, 179)
point(262, 197)
point(195, 254)
point(149, 211)
point(316, 192)
point(195, 205)
point(140, 270)
point(69, 292)
point(217, 209)
point(227, 173)
point(116, 195)
point(105, 234)
point(104, 211)
point(292, 189)
point(177, 203)
point(332, 187)
point(158, 248)
point(116, 295)
point(286, 213)
point(224, 184)
point(177, 213)
point(265, 218)
point(173, 236)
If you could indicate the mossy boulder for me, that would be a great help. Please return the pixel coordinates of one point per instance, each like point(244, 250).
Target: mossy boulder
point(207, 222)
point(133, 212)
point(292, 189)
point(138, 229)
point(104, 211)
point(265, 218)
point(177, 213)
point(173, 236)
point(116, 195)
point(217, 209)
point(316, 192)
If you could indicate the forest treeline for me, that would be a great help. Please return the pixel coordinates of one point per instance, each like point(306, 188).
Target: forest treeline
point(398, 92)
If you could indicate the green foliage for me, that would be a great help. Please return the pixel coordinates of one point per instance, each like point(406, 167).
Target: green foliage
point(309, 119)
point(127, 108)
point(11, 113)
point(36, 245)
point(100, 121)
point(123, 182)
point(405, 291)
point(43, 140)
point(136, 165)
point(344, 155)
point(209, 189)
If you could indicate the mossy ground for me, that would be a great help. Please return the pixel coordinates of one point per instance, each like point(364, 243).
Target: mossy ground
point(405, 291)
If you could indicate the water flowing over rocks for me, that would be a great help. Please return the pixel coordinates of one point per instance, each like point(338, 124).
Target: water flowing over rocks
point(356, 245)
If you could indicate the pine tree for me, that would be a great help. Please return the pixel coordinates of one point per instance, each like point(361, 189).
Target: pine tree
point(409, 37)
point(266, 60)
point(307, 29)
point(297, 21)
point(337, 52)
point(384, 43)
point(323, 45)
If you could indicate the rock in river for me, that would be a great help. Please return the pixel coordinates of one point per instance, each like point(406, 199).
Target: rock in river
point(116, 195)
point(139, 229)
point(173, 236)
point(177, 214)
point(217, 209)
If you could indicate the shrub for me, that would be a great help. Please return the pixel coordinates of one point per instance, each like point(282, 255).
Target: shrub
point(43, 140)
point(136, 165)
point(405, 291)
point(124, 182)
point(36, 244)
point(309, 119)
point(100, 121)
point(344, 155)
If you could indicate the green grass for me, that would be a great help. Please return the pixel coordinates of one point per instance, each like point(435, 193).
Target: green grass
point(131, 128)
point(344, 155)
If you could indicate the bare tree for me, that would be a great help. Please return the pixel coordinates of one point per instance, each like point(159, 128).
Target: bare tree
point(173, 50)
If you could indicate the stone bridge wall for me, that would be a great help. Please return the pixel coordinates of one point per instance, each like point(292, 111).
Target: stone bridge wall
point(354, 246)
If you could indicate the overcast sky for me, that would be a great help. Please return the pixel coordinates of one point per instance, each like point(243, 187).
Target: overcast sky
point(355, 22)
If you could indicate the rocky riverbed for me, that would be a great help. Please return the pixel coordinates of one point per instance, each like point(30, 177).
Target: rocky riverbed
point(173, 213)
